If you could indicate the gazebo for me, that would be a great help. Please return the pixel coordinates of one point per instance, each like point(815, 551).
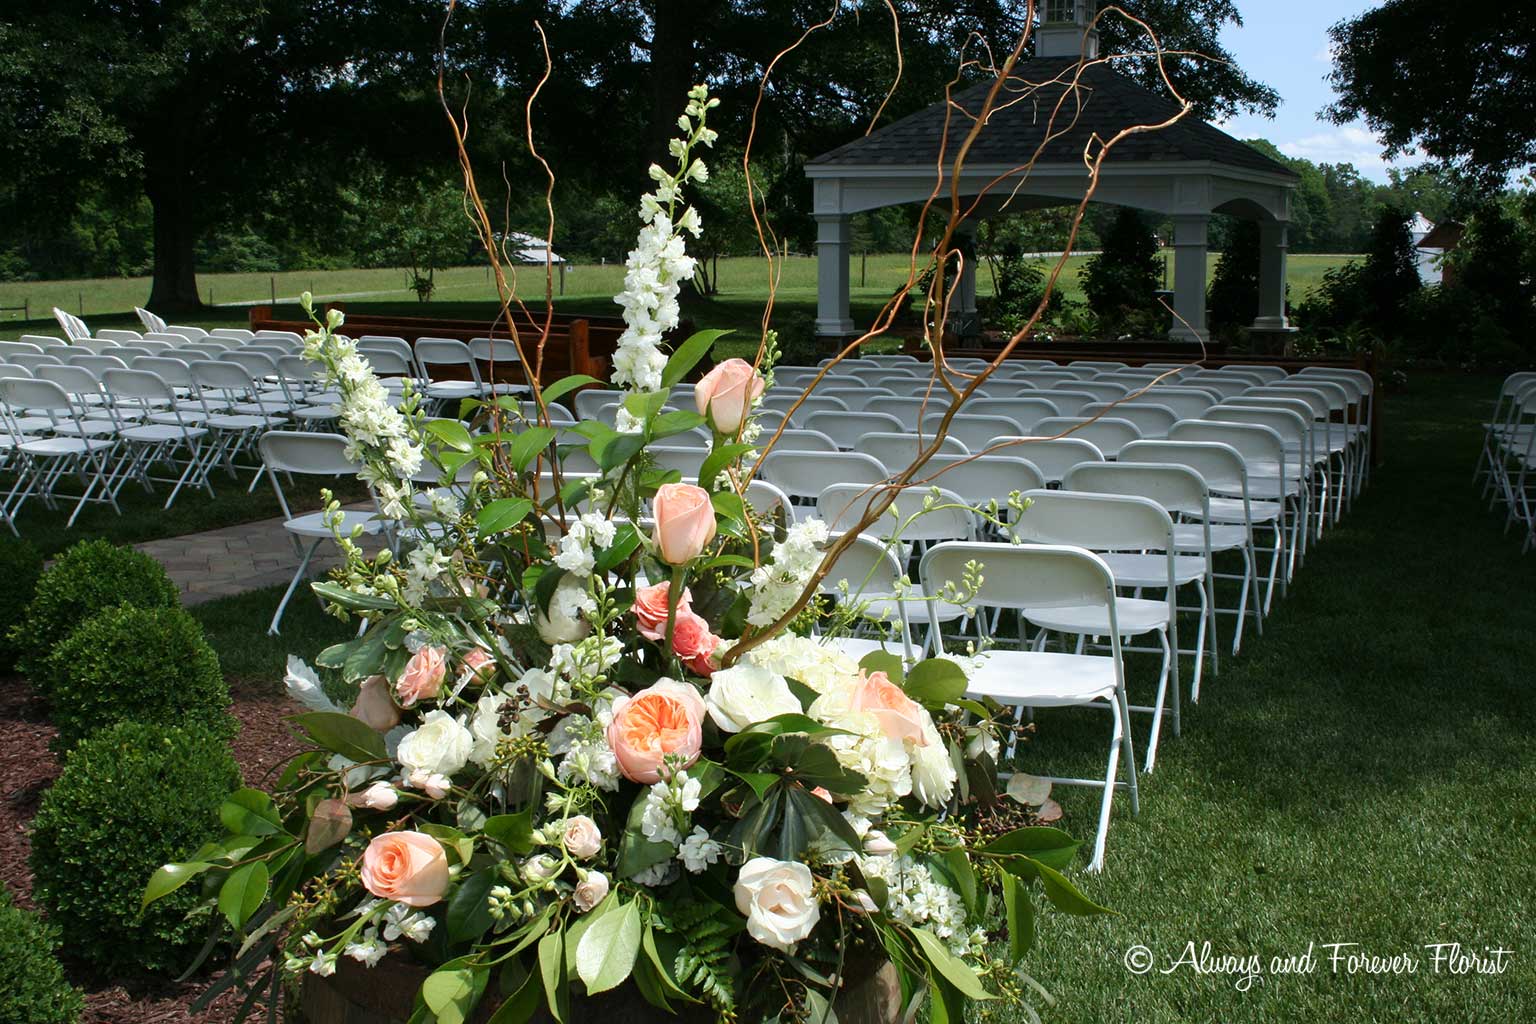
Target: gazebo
point(1188, 171)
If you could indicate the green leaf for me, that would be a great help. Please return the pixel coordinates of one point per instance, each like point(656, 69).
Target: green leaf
point(958, 866)
point(367, 655)
point(342, 734)
point(1063, 894)
point(452, 434)
point(644, 405)
point(565, 385)
point(514, 831)
point(732, 513)
point(522, 1002)
point(341, 596)
point(611, 453)
point(501, 515)
point(528, 445)
point(688, 354)
point(636, 853)
point(817, 765)
point(936, 682)
point(663, 965)
point(795, 828)
point(761, 782)
point(885, 661)
point(1019, 911)
point(625, 539)
point(719, 457)
point(677, 421)
point(171, 877)
point(557, 991)
point(242, 893)
point(950, 967)
point(250, 812)
point(469, 912)
point(827, 819)
point(451, 994)
point(451, 839)
point(606, 953)
point(1050, 846)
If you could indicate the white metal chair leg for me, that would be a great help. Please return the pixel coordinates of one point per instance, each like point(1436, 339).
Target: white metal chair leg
point(293, 585)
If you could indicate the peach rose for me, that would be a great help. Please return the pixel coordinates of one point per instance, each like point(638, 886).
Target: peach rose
point(900, 717)
point(590, 891)
point(478, 662)
point(407, 867)
point(651, 609)
point(664, 720)
point(726, 393)
point(685, 522)
point(374, 706)
point(582, 839)
point(694, 643)
point(423, 675)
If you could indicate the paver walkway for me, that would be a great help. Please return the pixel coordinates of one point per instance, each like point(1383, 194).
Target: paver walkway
point(234, 559)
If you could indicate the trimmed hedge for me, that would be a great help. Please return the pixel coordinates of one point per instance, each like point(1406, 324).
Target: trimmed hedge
point(89, 577)
point(33, 989)
point(130, 664)
point(20, 567)
point(131, 798)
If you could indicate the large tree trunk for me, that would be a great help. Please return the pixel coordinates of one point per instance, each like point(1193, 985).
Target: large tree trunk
point(673, 28)
point(174, 286)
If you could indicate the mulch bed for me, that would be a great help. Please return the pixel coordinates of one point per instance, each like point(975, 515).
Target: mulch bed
point(28, 768)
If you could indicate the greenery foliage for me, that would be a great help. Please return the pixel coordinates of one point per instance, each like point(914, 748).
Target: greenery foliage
point(85, 579)
point(33, 989)
point(137, 665)
point(1121, 281)
point(1232, 301)
point(21, 565)
point(131, 798)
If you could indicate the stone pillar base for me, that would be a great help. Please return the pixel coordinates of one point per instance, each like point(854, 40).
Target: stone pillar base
point(1271, 341)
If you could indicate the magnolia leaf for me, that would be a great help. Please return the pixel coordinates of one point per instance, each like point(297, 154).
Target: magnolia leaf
point(950, 967)
point(884, 661)
point(171, 877)
point(343, 734)
point(936, 682)
point(469, 912)
point(329, 823)
point(552, 973)
point(1063, 894)
point(451, 994)
point(606, 954)
point(514, 831)
point(1029, 789)
point(565, 385)
point(250, 812)
point(242, 893)
point(528, 445)
point(1019, 910)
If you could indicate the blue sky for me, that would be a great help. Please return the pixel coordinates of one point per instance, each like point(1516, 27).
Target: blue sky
point(1285, 44)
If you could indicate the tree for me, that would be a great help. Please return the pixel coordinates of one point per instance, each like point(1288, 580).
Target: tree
point(1233, 298)
point(1456, 81)
point(1122, 279)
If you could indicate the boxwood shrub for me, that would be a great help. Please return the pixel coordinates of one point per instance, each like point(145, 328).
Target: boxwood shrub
point(131, 798)
point(20, 568)
point(87, 578)
point(129, 664)
point(33, 989)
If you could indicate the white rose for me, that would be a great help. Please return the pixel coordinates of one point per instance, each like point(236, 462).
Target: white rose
point(744, 694)
point(440, 746)
point(485, 728)
point(582, 838)
point(933, 773)
point(591, 890)
point(775, 897)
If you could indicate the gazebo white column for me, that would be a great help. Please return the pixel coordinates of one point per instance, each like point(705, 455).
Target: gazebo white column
point(1190, 237)
point(832, 239)
point(1272, 253)
point(963, 315)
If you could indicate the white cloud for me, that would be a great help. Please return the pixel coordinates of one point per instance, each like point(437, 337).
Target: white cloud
point(1350, 143)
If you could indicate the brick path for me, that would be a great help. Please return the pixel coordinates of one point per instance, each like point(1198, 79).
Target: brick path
point(235, 559)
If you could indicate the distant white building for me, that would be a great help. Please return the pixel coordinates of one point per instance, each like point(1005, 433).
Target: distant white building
point(1429, 258)
point(521, 248)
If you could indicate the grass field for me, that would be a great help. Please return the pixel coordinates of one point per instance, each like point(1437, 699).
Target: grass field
point(587, 288)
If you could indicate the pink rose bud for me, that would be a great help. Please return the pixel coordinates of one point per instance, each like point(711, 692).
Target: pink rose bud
point(900, 717)
point(591, 890)
point(374, 707)
point(726, 394)
point(821, 793)
point(685, 522)
point(406, 867)
point(694, 643)
point(423, 675)
point(380, 796)
point(478, 662)
point(582, 839)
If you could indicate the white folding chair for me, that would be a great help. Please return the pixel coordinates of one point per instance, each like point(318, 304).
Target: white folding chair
point(42, 462)
point(166, 430)
point(846, 428)
point(1052, 456)
point(1025, 410)
point(974, 431)
point(1108, 434)
point(897, 451)
point(1041, 579)
point(150, 321)
point(868, 575)
point(804, 475)
point(1152, 419)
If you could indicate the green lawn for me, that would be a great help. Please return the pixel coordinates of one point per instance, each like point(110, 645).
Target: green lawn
point(108, 302)
point(1364, 773)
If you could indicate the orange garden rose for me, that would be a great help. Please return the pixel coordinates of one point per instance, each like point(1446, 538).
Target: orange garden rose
point(685, 522)
point(407, 867)
point(900, 717)
point(726, 393)
point(666, 719)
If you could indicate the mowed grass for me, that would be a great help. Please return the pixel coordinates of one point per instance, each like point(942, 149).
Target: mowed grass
point(1361, 774)
point(587, 288)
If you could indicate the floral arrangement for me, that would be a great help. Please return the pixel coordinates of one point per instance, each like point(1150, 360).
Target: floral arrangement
point(600, 738)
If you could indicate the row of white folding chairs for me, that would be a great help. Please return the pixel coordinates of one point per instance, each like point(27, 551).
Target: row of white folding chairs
point(1508, 451)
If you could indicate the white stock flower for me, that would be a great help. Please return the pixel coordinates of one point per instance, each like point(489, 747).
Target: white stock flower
point(917, 900)
point(744, 694)
point(776, 585)
point(698, 851)
point(777, 899)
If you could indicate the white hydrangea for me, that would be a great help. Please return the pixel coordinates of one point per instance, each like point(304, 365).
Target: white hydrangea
point(918, 901)
point(777, 585)
point(822, 667)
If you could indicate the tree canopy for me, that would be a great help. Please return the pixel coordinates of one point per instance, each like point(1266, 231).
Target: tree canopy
point(1454, 81)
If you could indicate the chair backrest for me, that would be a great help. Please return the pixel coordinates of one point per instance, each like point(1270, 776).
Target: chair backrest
point(445, 352)
point(218, 375)
point(1225, 387)
point(173, 371)
point(915, 513)
point(232, 333)
point(1220, 465)
point(1151, 418)
point(388, 363)
point(1177, 488)
point(98, 364)
point(1096, 365)
point(791, 440)
point(32, 360)
point(897, 451)
point(13, 370)
point(1108, 434)
point(42, 395)
point(1051, 456)
point(847, 427)
point(806, 474)
point(856, 398)
point(1258, 445)
point(1099, 522)
point(72, 325)
point(1290, 426)
point(161, 338)
point(150, 321)
point(1070, 401)
point(188, 332)
point(894, 359)
point(590, 401)
point(909, 412)
point(1360, 377)
point(1102, 391)
point(75, 380)
point(817, 402)
point(113, 334)
point(306, 452)
point(10, 348)
point(1264, 371)
point(494, 351)
point(257, 364)
point(137, 385)
point(686, 460)
point(1026, 411)
point(1036, 576)
point(291, 337)
point(43, 341)
point(975, 432)
point(980, 479)
point(1047, 379)
point(1187, 403)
